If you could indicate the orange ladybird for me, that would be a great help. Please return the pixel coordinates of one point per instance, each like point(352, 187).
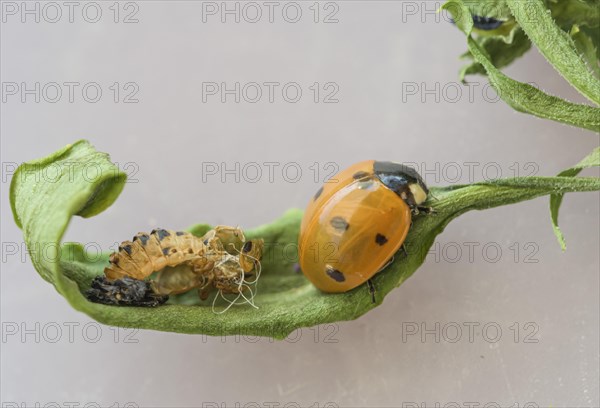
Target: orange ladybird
point(356, 222)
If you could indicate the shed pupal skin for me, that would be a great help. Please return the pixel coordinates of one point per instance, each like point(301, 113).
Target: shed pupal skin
point(179, 261)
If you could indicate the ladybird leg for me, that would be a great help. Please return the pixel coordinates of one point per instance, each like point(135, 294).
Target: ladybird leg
point(425, 210)
point(403, 249)
point(371, 286)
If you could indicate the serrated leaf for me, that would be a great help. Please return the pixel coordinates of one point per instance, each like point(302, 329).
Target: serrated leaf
point(586, 48)
point(500, 52)
point(592, 160)
point(524, 97)
point(594, 36)
point(286, 300)
point(556, 45)
point(575, 12)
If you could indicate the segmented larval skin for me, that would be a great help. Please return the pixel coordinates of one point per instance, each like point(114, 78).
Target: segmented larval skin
point(149, 253)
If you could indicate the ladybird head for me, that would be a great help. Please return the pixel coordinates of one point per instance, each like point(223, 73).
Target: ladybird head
point(403, 180)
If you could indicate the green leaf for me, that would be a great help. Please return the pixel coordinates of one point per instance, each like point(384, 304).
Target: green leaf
point(528, 99)
point(520, 96)
point(76, 180)
point(587, 49)
point(556, 45)
point(592, 160)
point(575, 12)
point(497, 9)
point(286, 300)
point(500, 52)
point(594, 35)
point(461, 15)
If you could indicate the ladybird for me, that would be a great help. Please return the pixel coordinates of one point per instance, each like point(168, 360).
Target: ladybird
point(357, 221)
point(175, 262)
point(484, 23)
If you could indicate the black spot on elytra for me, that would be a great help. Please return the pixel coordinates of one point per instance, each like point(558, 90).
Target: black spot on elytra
point(380, 239)
point(142, 238)
point(179, 233)
point(318, 193)
point(359, 175)
point(126, 248)
point(247, 247)
point(165, 251)
point(160, 233)
point(339, 223)
point(334, 274)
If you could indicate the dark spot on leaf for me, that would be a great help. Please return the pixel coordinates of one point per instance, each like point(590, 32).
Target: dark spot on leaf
point(165, 251)
point(318, 193)
point(380, 239)
point(334, 274)
point(339, 223)
point(179, 233)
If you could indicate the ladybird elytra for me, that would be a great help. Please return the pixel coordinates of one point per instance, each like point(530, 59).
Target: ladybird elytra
point(357, 222)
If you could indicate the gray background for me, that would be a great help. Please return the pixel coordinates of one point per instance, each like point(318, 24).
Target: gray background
point(373, 50)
